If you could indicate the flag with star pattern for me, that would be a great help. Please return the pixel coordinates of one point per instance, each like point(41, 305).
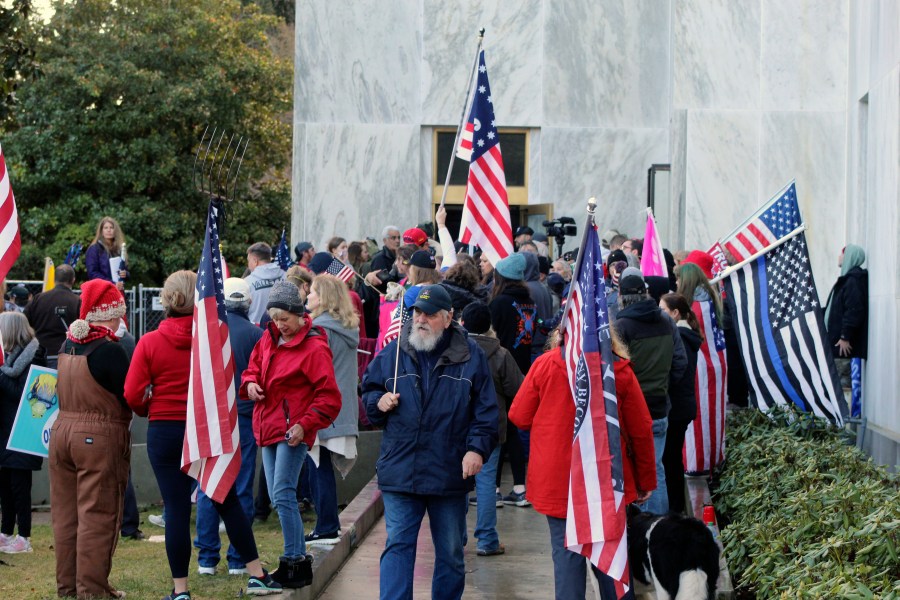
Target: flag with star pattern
point(212, 449)
point(777, 218)
point(283, 253)
point(595, 516)
point(781, 332)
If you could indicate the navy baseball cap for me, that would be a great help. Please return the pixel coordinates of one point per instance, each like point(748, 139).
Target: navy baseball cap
point(433, 298)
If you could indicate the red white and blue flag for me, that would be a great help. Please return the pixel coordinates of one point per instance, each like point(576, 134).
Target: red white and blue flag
point(212, 449)
point(595, 519)
point(343, 272)
point(10, 242)
point(283, 253)
point(485, 217)
point(777, 218)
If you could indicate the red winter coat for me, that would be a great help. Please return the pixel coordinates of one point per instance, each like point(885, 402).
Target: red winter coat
point(544, 406)
point(162, 359)
point(298, 382)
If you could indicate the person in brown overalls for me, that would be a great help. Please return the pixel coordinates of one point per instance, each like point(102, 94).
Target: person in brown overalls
point(90, 446)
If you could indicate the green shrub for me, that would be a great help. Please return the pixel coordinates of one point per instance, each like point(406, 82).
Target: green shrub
point(810, 516)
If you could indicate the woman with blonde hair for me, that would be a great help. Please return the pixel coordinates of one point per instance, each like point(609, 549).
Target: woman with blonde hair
point(104, 249)
point(20, 350)
point(335, 447)
point(157, 386)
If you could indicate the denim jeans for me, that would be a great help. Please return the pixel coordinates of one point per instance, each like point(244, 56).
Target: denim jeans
point(486, 508)
point(570, 569)
point(282, 464)
point(324, 492)
point(207, 541)
point(659, 499)
point(403, 515)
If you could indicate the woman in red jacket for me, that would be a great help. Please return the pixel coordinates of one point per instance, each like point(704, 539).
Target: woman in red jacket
point(291, 379)
point(157, 385)
point(545, 407)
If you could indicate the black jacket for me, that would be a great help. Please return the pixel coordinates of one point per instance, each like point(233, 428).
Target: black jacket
point(514, 318)
point(657, 354)
point(682, 392)
point(848, 318)
point(461, 297)
point(50, 314)
point(12, 382)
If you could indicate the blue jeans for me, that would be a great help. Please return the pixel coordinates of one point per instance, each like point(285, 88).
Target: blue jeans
point(570, 569)
point(403, 515)
point(324, 492)
point(659, 499)
point(282, 464)
point(486, 508)
point(207, 541)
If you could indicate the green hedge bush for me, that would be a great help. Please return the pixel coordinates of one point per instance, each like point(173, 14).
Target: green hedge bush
point(807, 515)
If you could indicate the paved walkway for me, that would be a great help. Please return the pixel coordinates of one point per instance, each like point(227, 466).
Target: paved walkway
point(524, 572)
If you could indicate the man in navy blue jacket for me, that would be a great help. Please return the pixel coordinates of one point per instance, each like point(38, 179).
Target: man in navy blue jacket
point(439, 428)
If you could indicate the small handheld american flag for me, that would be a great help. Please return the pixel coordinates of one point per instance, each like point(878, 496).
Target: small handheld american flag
point(343, 272)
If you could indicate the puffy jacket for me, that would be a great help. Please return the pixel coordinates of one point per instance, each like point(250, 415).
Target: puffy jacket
point(505, 373)
point(298, 382)
point(343, 343)
point(442, 413)
point(544, 406)
point(682, 391)
point(160, 371)
point(848, 313)
point(657, 354)
point(13, 375)
point(461, 297)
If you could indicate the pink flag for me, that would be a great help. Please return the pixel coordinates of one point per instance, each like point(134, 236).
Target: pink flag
point(653, 263)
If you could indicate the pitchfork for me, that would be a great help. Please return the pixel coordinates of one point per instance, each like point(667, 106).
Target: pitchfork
point(210, 175)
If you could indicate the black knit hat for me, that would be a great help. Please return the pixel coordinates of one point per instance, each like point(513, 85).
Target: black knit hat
point(286, 296)
point(476, 317)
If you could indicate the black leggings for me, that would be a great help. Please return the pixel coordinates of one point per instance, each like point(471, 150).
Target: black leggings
point(673, 463)
point(15, 501)
point(164, 443)
point(515, 450)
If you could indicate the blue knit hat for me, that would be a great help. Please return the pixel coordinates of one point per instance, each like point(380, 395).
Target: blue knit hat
point(512, 267)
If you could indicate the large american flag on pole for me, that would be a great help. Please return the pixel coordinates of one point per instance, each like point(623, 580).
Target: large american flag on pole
point(704, 439)
point(212, 449)
point(777, 218)
point(781, 332)
point(10, 242)
point(485, 217)
point(595, 518)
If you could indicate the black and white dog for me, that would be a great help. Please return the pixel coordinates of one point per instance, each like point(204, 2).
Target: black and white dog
point(678, 553)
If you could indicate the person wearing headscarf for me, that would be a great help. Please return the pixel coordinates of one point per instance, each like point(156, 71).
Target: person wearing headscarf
point(847, 311)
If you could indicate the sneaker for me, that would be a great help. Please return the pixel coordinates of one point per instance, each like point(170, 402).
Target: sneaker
point(238, 571)
point(137, 536)
point(5, 540)
point(222, 527)
point(206, 570)
point(323, 539)
point(473, 500)
point(499, 500)
point(158, 520)
point(263, 586)
point(516, 499)
point(178, 596)
point(17, 546)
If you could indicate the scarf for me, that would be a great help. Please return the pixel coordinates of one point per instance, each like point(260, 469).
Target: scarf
point(20, 359)
point(95, 332)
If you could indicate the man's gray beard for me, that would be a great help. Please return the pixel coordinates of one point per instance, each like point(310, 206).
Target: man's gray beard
point(423, 342)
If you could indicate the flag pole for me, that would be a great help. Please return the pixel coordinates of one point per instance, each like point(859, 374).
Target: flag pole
point(465, 112)
point(591, 207)
point(768, 248)
point(397, 356)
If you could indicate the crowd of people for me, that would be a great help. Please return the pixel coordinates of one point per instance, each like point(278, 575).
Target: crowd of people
point(456, 359)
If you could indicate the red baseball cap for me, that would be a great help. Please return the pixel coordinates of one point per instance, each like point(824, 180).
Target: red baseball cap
point(415, 236)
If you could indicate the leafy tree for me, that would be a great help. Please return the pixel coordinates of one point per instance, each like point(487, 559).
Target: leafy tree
point(17, 61)
point(113, 125)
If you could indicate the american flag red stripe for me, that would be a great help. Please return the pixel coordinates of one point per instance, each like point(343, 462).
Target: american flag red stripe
point(10, 242)
point(485, 218)
point(704, 440)
point(765, 227)
point(720, 263)
point(595, 519)
point(212, 449)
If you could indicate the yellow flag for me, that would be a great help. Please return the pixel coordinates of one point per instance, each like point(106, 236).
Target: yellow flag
point(49, 274)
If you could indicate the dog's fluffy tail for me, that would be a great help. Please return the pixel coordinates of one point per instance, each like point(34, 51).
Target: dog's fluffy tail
point(692, 585)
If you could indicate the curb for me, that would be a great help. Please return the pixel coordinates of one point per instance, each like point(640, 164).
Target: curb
point(356, 521)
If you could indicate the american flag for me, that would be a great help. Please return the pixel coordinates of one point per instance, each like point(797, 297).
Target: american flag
point(781, 332)
point(704, 440)
point(485, 217)
point(399, 318)
point(10, 242)
point(777, 218)
point(595, 519)
point(343, 272)
point(212, 449)
point(283, 253)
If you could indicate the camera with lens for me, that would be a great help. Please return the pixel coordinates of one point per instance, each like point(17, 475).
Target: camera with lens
point(559, 229)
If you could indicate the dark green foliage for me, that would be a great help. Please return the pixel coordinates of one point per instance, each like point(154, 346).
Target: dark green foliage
point(17, 55)
point(811, 517)
point(113, 125)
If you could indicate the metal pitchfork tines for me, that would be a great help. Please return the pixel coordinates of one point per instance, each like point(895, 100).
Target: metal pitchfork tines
point(211, 175)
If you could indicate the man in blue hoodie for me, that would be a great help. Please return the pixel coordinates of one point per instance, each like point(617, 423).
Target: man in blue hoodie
point(243, 336)
point(263, 275)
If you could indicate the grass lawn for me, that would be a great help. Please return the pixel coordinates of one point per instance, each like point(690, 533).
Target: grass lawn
point(139, 568)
